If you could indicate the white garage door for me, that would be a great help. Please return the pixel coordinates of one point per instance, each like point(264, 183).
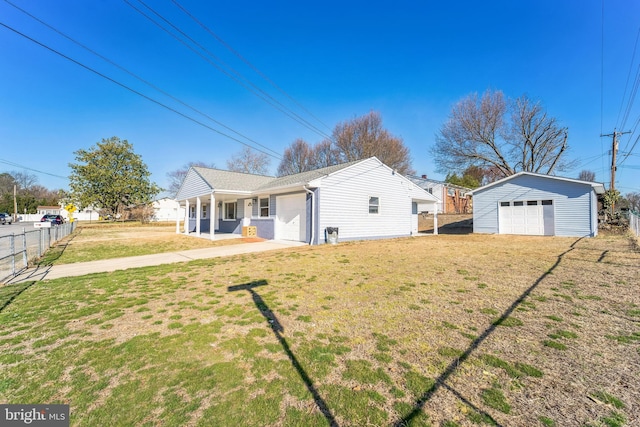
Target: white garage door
point(529, 217)
point(291, 219)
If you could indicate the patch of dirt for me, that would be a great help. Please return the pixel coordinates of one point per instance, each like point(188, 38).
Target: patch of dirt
point(447, 223)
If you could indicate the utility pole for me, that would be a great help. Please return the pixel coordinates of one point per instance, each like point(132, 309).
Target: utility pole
point(15, 203)
point(614, 152)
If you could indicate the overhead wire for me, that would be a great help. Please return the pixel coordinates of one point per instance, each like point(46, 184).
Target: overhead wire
point(247, 62)
point(122, 85)
point(7, 162)
point(71, 39)
point(624, 94)
point(222, 67)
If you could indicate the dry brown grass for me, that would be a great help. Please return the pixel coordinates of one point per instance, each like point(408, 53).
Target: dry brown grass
point(91, 242)
point(435, 300)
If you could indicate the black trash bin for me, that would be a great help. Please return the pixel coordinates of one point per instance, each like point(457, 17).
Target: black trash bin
point(332, 235)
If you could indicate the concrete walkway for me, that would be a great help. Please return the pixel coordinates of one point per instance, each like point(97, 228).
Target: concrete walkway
point(107, 265)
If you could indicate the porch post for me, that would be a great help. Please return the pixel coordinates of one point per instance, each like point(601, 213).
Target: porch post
point(212, 217)
point(435, 220)
point(198, 209)
point(186, 216)
point(178, 219)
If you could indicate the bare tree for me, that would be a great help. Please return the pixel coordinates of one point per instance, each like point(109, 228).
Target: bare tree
point(587, 175)
point(24, 180)
point(634, 200)
point(249, 161)
point(501, 135)
point(298, 157)
point(177, 176)
point(356, 139)
point(365, 137)
point(324, 154)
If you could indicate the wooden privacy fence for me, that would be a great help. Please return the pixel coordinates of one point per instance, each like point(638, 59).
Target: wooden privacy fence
point(17, 250)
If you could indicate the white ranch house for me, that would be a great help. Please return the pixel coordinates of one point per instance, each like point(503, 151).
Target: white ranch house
point(534, 204)
point(364, 199)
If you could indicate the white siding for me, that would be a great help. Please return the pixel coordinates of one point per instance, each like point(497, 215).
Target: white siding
point(344, 202)
point(574, 204)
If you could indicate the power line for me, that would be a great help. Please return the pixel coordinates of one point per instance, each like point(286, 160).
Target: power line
point(140, 78)
point(628, 153)
point(7, 162)
point(134, 91)
point(624, 94)
point(237, 77)
point(246, 61)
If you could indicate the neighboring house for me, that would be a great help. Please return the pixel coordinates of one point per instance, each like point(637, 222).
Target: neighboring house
point(364, 199)
point(535, 204)
point(48, 210)
point(166, 209)
point(452, 198)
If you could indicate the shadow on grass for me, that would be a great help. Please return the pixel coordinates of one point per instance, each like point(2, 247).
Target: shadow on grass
point(54, 253)
point(440, 382)
point(9, 293)
point(464, 226)
point(277, 329)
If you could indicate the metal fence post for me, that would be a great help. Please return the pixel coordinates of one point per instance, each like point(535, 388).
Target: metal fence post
point(12, 248)
point(24, 248)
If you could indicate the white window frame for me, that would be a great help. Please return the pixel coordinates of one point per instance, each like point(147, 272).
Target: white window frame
point(225, 210)
point(376, 205)
point(267, 207)
point(204, 212)
point(192, 211)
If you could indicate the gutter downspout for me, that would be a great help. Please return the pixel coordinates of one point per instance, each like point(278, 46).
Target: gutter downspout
point(313, 207)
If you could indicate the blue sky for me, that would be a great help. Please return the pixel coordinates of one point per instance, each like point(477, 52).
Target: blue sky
point(409, 60)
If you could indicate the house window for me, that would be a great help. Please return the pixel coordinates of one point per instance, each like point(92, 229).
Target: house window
point(430, 190)
point(230, 210)
point(374, 205)
point(192, 211)
point(264, 207)
point(204, 211)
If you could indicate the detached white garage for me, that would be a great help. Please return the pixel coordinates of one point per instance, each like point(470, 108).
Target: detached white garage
point(539, 205)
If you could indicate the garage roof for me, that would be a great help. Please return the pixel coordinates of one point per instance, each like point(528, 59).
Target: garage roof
point(597, 186)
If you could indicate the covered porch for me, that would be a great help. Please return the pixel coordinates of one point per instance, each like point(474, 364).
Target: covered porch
point(222, 214)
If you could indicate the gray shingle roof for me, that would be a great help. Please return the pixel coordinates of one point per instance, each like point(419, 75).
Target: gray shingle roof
point(304, 177)
point(236, 181)
point(232, 181)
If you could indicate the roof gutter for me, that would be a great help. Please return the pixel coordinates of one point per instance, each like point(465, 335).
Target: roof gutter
point(313, 206)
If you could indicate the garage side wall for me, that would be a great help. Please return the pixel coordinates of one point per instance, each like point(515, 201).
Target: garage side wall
point(344, 203)
point(573, 204)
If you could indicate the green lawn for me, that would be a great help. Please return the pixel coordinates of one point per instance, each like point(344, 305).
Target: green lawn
point(92, 242)
point(442, 331)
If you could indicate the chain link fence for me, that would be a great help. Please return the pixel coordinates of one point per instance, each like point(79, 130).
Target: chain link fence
point(18, 250)
point(634, 222)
